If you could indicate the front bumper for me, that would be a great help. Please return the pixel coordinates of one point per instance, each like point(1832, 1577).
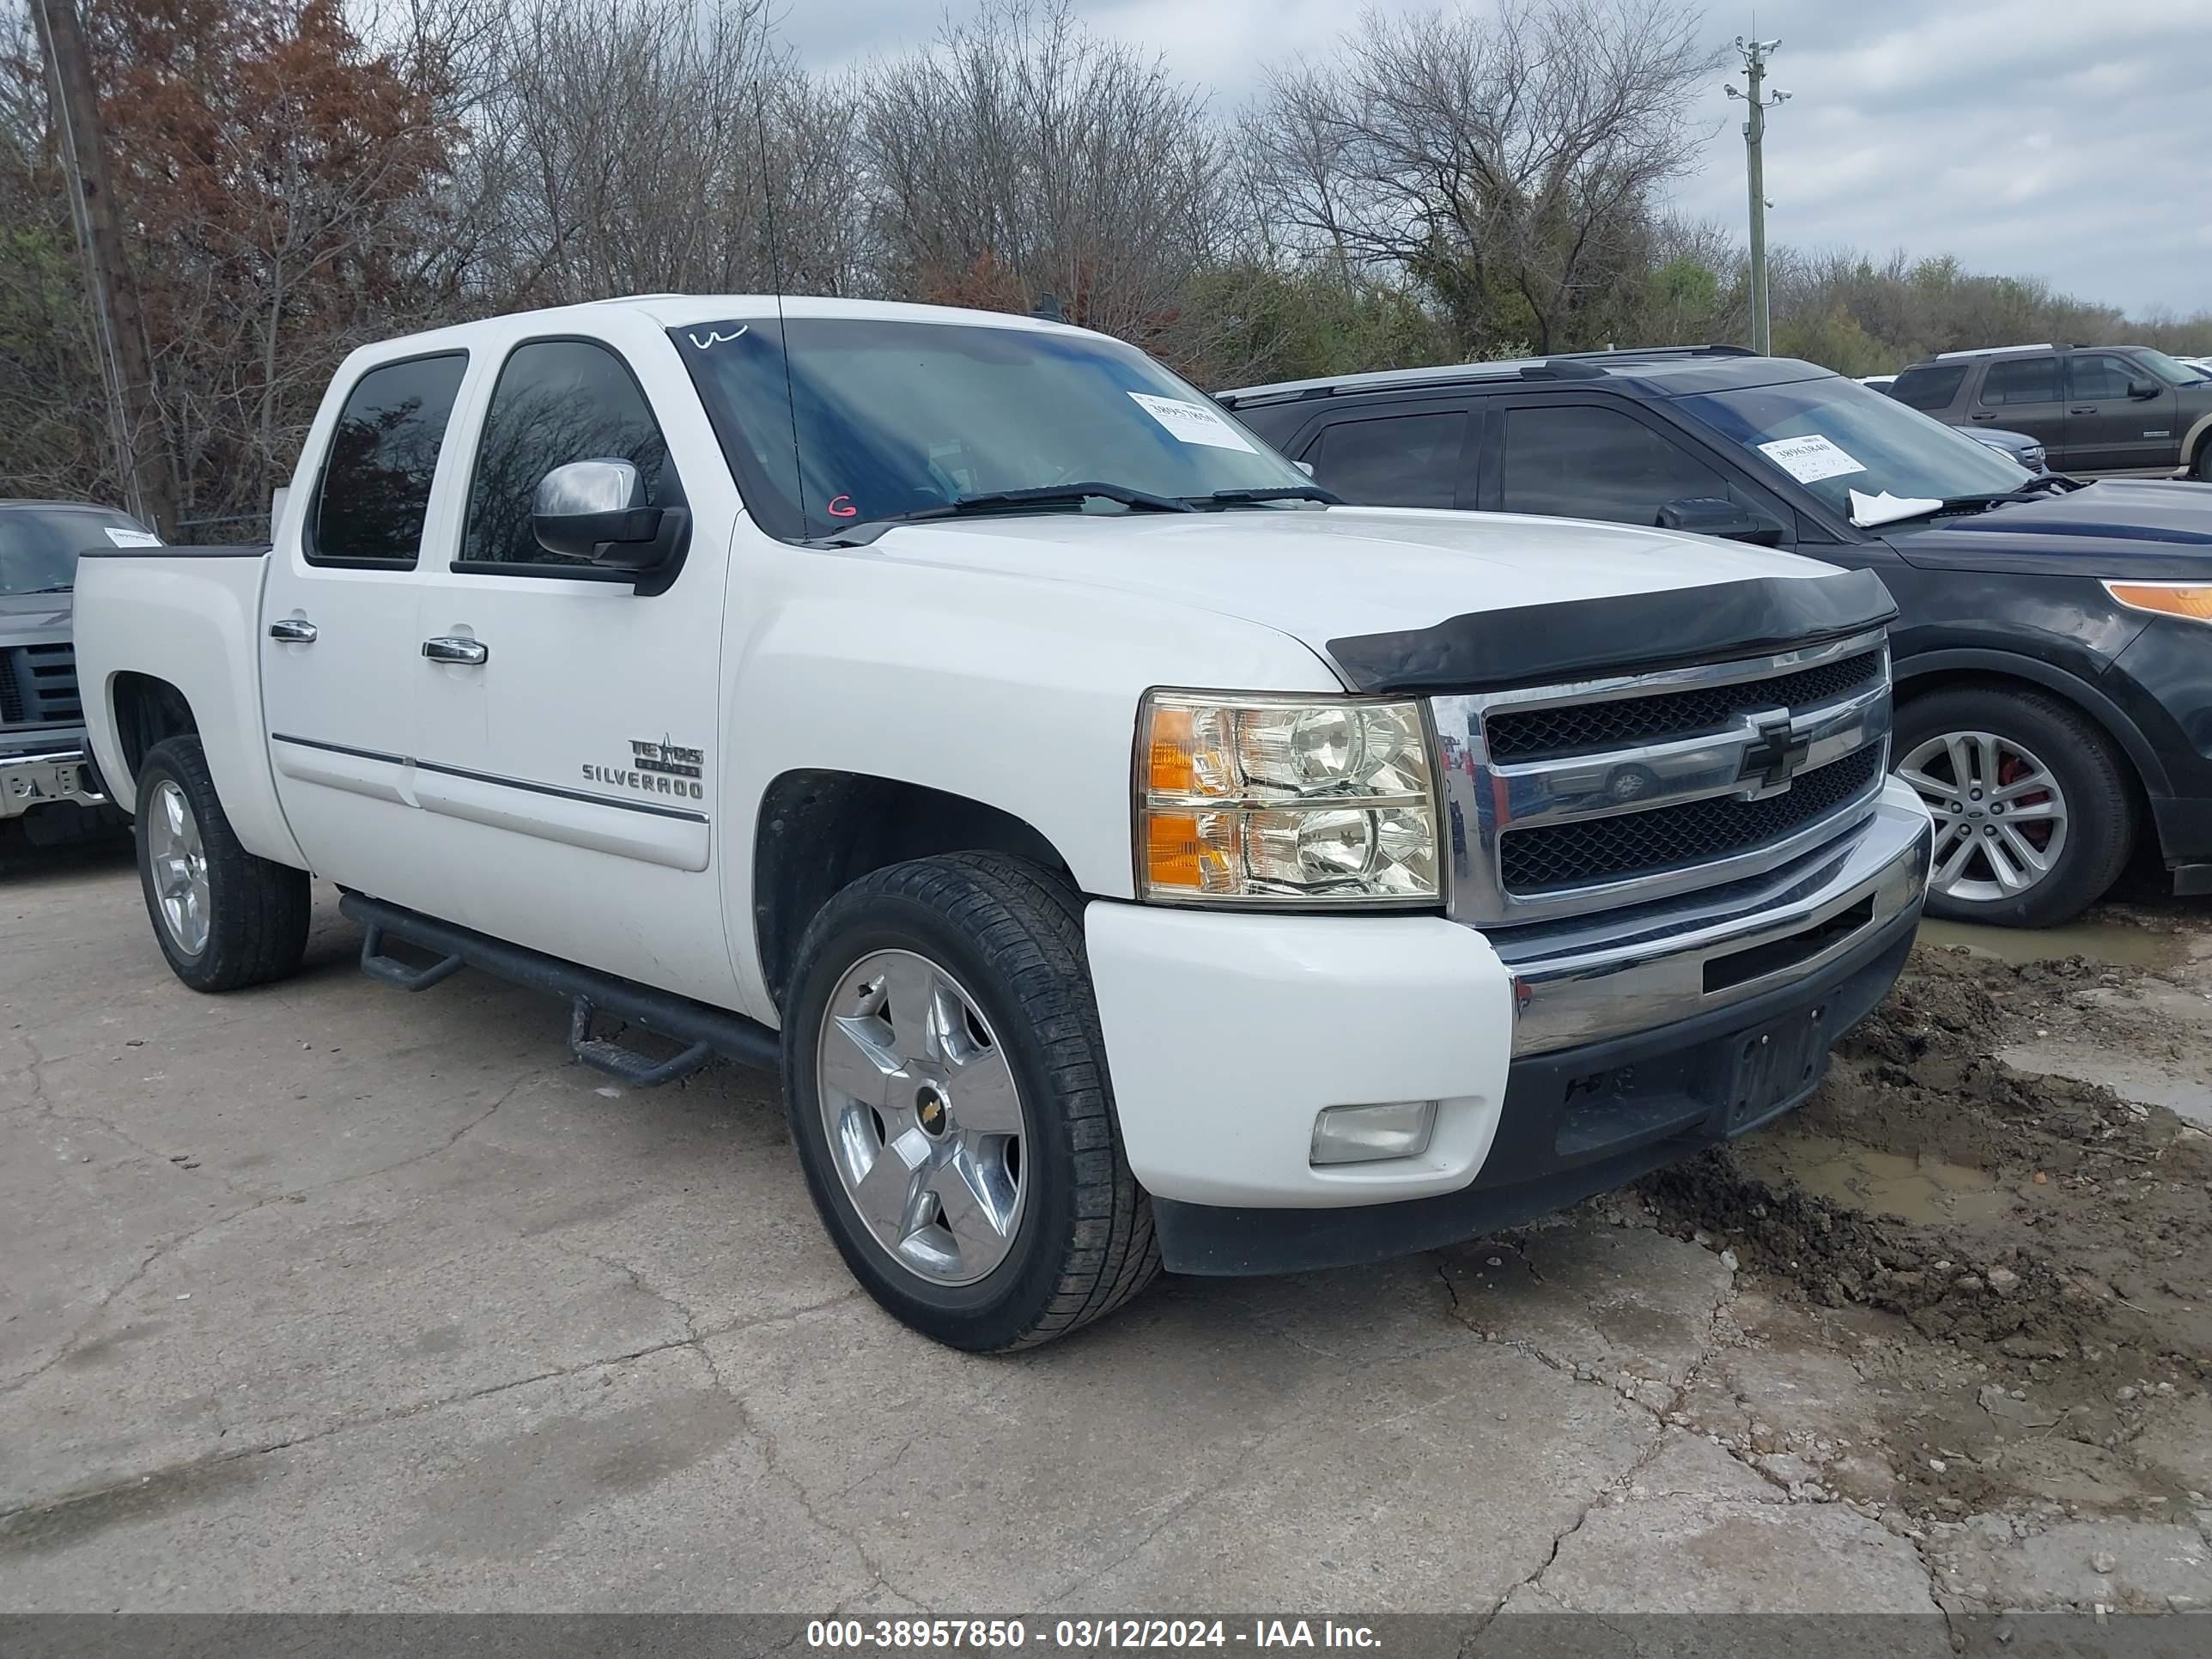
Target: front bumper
point(61, 777)
point(1563, 1061)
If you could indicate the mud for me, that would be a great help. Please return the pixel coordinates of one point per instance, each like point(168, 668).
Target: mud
point(2010, 1268)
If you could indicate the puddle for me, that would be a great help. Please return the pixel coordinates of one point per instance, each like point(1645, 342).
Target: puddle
point(2099, 941)
point(1924, 1190)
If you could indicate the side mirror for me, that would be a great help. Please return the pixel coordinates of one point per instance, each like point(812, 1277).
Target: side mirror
point(1715, 515)
point(597, 510)
point(1305, 467)
point(2141, 389)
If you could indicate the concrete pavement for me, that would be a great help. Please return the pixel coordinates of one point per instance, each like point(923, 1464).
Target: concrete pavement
point(328, 1297)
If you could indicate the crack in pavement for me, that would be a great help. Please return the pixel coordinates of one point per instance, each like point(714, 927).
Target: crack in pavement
point(77, 1337)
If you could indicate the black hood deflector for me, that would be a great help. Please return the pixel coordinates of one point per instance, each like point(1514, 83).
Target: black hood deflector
point(1620, 633)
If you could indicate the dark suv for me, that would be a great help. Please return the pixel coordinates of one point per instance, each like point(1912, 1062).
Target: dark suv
point(2054, 649)
point(2097, 409)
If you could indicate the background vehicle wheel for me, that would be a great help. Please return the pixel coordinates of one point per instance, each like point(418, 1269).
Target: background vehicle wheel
point(947, 1087)
point(2034, 817)
point(2202, 470)
point(225, 919)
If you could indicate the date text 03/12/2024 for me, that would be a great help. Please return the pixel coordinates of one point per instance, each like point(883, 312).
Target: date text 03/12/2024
point(1085, 1635)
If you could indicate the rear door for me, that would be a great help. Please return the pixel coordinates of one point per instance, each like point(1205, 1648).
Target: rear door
point(2107, 430)
point(1419, 456)
point(339, 637)
point(2024, 394)
point(570, 769)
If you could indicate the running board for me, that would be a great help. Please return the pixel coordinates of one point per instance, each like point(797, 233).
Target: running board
point(706, 1031)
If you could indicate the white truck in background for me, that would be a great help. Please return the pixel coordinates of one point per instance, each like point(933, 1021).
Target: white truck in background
point(1130, 857)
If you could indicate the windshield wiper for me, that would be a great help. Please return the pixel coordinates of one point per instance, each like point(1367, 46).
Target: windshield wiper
point(55, 587)
point(1069, 495)
point(1276, 493)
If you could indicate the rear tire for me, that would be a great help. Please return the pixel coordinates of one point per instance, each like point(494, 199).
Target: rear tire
point(224, 918)
point(2035, 817)
point(948, 1093)
point(2202, 470)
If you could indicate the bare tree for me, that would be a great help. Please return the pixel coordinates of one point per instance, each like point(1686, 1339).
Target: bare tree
point(1508, 163)
point(1026, 156)
point(661, 145)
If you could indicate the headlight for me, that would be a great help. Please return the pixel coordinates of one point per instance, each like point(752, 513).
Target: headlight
point(2192, 600)
point(1300, 801)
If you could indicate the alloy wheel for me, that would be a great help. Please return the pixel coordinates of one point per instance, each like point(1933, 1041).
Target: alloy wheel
point(2001, 816)
point(922, 1116)
point(179, 857)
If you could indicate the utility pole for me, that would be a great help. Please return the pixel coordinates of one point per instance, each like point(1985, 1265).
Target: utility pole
point(1754, 133)
point(119, 323)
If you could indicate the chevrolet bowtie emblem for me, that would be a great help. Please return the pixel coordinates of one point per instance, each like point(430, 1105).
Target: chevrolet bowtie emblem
point(1774, 756)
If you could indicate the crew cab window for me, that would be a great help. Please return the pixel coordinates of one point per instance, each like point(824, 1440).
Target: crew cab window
point(375, 489)
point(2021, 380)
point(1402, 461)
point(2095, 377)
point(555, 401)
point(1579, 461)
point(1929, 388)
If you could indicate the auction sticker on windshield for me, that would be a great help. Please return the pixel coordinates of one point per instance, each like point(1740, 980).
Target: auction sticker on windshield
point(122, 537)
point(1810, 458)
point(1193, 423)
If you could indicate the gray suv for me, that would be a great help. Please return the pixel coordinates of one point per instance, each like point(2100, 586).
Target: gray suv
point(47, 779)
point(2095, 408)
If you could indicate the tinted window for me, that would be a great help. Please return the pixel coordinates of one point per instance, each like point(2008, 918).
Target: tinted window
point(2095, 376)
point(1405, 460)
point(39, 546)
point(375, 491)
point(2022, 380)
point(557, 401)
point(1587, 463)
point(1929, 388)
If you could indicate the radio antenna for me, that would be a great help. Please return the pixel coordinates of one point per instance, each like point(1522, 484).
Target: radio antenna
point(782, 338)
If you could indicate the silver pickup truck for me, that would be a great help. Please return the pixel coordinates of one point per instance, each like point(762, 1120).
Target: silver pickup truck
point(46, 775)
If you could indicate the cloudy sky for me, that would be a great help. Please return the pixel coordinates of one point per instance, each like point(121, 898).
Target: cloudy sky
point(2066, 139)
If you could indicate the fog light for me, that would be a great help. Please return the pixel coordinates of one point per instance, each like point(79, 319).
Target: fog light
point(1361, 1134)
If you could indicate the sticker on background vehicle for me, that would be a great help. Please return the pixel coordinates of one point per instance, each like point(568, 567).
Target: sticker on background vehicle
point(132, 538)
point(1810, 458)
point(1193, 423)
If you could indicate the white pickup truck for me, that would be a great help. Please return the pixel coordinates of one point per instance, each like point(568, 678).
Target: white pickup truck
point(1130, 858)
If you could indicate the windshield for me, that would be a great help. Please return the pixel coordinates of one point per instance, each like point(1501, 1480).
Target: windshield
point(1865, 455)
point(896, 418)
point(2171, 370)
point(39, 546)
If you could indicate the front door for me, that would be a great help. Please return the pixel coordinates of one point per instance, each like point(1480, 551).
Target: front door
point(569, 768)
point(340, 633)
point(2107, 429)
point(2023, 394)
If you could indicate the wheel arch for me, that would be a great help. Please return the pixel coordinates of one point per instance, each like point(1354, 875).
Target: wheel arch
point(146, 709)
point(817, 831)
point(1939, 670)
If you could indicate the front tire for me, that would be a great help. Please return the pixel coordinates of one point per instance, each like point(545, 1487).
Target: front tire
point(2202, 470)
point(947, 1088)
point(225, 919)
point(2034, 817)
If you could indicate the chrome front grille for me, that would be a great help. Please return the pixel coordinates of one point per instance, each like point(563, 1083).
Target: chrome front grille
point(1517, 734)
point(1567, 799)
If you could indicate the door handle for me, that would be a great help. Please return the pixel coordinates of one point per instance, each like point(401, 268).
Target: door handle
point(293, 631)
point(469, 653)
point(2089, 409)
point(1981, 415)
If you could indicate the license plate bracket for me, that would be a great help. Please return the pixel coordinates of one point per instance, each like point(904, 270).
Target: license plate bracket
point(1774, 1063)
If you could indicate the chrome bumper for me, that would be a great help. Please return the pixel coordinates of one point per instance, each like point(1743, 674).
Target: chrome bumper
point(28, 781)
point(1603, 974)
